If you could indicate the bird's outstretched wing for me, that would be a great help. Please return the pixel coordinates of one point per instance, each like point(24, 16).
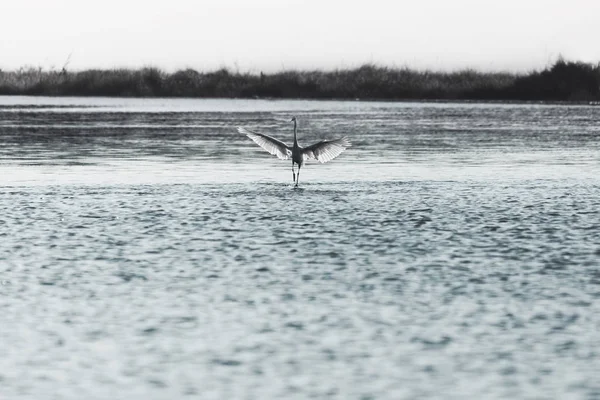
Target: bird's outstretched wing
point(326, 150)
point(272, 145)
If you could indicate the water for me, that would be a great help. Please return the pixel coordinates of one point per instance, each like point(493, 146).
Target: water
point(150, 251)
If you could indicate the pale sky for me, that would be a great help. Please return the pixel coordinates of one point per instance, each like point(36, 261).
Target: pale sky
point(271, 35)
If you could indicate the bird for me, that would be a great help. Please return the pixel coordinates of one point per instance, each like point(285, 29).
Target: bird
point(323, 151)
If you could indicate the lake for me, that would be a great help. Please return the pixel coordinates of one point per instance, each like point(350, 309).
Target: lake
point(150, 251)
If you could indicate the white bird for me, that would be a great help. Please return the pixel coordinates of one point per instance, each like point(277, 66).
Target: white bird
point(323, 151)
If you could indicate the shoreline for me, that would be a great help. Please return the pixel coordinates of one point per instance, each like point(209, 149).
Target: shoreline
point(563, 82)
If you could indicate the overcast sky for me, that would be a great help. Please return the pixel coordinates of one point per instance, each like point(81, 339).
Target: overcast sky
point(271, 35)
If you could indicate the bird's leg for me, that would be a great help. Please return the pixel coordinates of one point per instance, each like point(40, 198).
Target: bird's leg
point(298, 175)
point(293, 172)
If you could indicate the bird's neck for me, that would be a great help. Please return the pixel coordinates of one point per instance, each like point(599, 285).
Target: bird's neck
point(295, 140)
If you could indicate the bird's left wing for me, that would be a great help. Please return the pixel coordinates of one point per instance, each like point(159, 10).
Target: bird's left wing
point(326, 150)
point(272, 145)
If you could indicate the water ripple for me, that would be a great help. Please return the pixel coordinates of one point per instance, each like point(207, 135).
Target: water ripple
point(464, 265)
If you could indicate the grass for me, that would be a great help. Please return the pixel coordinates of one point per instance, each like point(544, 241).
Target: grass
point(562, 81)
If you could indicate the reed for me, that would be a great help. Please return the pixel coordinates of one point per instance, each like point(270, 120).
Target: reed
point(562, 81)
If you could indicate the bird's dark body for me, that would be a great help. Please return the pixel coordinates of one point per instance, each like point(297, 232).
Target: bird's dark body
point(297, 156)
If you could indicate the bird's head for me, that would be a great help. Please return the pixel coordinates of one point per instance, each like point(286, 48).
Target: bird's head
point(293, 119)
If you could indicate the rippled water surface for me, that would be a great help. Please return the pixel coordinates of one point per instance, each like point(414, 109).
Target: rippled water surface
point(149, 251)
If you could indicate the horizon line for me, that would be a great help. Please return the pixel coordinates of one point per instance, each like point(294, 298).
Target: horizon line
point(237, 70)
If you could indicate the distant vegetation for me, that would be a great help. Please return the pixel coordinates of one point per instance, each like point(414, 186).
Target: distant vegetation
point(563, 81)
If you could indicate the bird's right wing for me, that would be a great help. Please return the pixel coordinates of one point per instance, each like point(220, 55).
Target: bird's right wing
point(272, 145)
point(326, 150)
